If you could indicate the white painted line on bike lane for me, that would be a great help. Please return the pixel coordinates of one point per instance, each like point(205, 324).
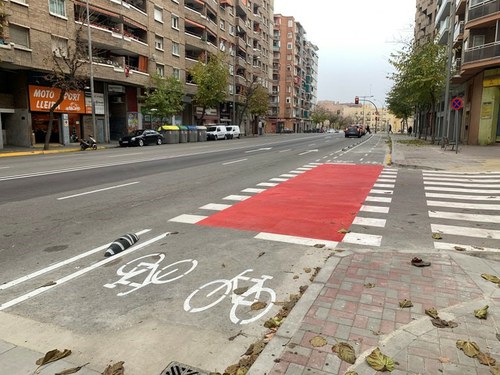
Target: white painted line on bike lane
point(97, 191)
point(81, 272)
point(61, 264)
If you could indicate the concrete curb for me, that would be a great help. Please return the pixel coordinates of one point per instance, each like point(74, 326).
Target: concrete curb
point(36, 152)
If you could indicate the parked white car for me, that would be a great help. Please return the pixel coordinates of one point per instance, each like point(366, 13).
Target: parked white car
point(233, 131)
point(216, 132)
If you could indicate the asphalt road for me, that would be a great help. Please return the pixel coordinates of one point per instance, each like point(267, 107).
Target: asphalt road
point(146, 305)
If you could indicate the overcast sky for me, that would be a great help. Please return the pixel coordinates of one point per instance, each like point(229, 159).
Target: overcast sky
point(355, 40)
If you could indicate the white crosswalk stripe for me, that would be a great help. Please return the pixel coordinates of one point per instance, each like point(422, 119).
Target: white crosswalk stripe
point(464, 209)
point(371, 218)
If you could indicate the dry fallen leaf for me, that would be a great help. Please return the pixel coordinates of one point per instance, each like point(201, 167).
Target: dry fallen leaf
point(319, 245)
point(440, 323)
point(351, 373)
point(470, 348)
point(240, 291)
point(437, 236)
point(71, 370)
point(53, 355)
point(481, 313)
point(369, 285)
point(492, 278)
point(379, 361)
point(258, 305)
point(444, 359)
point(345, 352)
point(432, 312)
point(459, 248)
point(495, 370)
point(318, 341)
point(405, 303)
point(485, 359)
point(343, 230)
point(115, 369)
point(307, 270)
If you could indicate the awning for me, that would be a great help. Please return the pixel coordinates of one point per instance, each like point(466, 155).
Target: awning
point(134, 23)
point(192, 23)
point(99, 10)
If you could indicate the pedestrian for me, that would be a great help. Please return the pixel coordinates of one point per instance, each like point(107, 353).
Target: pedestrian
point(390, 129)
point(368, 129)
point(410, 129)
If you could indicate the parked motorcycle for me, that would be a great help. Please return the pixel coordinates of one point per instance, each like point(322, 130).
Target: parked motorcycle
point(88, 143)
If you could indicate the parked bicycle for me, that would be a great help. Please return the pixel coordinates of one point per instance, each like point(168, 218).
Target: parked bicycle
point(213, 292)
point(139, 273)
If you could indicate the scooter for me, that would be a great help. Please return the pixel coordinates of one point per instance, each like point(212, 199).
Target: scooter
point(88, 143)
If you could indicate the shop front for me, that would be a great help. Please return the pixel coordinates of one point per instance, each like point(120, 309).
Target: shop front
point(67, 120)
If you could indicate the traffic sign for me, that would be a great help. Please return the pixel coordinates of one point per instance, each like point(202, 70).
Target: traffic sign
point(457, 103)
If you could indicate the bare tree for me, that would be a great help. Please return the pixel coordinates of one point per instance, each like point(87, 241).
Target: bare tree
point(65, 74)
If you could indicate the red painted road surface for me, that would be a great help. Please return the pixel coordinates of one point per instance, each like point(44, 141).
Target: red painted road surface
point(315, 204)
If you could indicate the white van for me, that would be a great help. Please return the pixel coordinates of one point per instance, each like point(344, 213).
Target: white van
point(216, 132)
point(233, 131)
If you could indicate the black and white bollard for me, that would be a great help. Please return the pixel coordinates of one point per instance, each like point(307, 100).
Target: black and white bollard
point(122, 243)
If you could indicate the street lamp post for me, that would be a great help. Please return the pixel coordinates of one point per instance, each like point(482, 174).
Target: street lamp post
point(92, 98)
point(451, 31)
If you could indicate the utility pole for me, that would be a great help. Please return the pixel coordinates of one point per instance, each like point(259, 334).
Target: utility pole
point(92, 98)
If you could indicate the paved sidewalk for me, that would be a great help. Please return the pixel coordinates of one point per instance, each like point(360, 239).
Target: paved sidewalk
point(55, 148)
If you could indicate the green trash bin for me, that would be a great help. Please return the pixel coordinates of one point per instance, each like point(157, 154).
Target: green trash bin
point(192, 133)
point(170, 133)
point(183, 134)
point(202, 133)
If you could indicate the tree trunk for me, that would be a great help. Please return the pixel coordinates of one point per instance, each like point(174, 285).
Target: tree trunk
point(199, 120)
point(59, 100)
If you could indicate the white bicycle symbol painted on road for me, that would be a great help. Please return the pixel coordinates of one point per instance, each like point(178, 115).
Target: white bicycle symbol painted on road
point(220, 289)
point(134, 270)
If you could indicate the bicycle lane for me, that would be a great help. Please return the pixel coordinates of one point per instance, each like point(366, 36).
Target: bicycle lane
point(317, 204)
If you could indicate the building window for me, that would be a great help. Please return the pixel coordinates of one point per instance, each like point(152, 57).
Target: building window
point(59, 46)
point(175, 1)
point(175, 49)
point(158, 14)
point(289, 35)
point(288, 100)
point(175, 22)
point(230, 89)
point(19, 35)
point(222, 25)
point(231, 69)
point(160, 70)
point(231, 29)
point(57, 7)
point(290, 23)
point(289, 45)
point(159, 42)
point(176, 73)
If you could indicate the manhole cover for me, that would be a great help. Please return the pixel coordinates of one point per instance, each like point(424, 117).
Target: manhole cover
point(176, 368)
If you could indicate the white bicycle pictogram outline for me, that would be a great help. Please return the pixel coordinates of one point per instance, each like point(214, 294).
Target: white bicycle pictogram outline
point(163, 275)
point(228, 286)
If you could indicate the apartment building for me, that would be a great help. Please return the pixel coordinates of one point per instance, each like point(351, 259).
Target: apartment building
point(131, 40)
point(295, 74)
point(475, 56)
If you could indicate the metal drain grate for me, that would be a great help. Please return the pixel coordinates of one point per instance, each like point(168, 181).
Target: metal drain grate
point(176, 368)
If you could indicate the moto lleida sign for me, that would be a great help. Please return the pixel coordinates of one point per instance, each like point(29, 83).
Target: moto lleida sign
point(43, 98)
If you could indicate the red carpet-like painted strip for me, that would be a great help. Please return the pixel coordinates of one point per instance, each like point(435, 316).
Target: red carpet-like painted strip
point(315, 204)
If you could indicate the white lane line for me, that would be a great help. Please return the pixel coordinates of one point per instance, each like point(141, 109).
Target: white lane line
point(304, 168)
point(253, 190)
point(361, 159)
point(123, 155)
point(363, 239)
point(297, 172)
point(268, 184)
point(289, 175)
point(461, 190)
point(260, 149)
point(97, 191)
point(378, 199)
point(393, 180)
point(379, 191)
point(4, 167)
point(471, 206)
point(460, 179)
point(295, 240)
point(234, 161)
point(215, 206)
point(235, 197)
point(378, 209)
point(464, 184)
point(370, 222)
point(311, 165)
point(463, 197)
point(286, 150)
point(390, 186)
point(277, 179)
point(454, 246)
point(469, 217)
point(466, 231)
point(83, 271)
point(60, 264)
point(188, 219)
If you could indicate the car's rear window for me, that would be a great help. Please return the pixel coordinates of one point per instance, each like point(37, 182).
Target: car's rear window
point(211, 129)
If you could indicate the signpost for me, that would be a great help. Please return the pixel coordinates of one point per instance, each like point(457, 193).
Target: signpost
point(457, 104)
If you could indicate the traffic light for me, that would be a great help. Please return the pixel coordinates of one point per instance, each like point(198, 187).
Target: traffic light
point(356, 100)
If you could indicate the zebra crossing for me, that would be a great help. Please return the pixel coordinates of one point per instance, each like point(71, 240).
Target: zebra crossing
point(464, 209)
point(371, 220)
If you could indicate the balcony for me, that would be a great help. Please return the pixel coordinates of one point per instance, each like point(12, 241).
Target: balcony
point(458, 35)
point(443, 10)
point(485, 10)
point(485, 53)
point(443, 31)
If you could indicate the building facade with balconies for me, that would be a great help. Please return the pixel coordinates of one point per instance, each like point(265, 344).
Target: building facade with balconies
point(295, 74)
point(131, 40)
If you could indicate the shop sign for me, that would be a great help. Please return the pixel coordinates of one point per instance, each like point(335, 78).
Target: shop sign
point(98, 103)
point(43, 98)
point(491, 82)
